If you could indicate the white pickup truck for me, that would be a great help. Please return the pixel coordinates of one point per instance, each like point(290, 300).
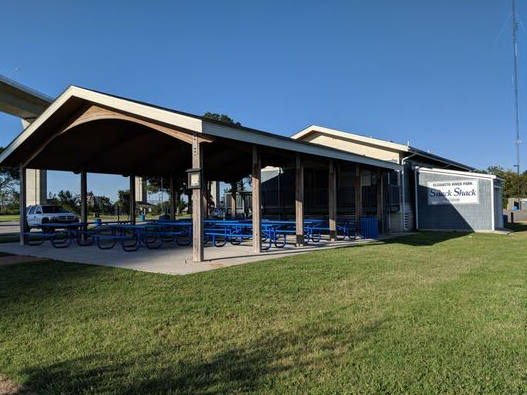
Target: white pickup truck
point(41, 214)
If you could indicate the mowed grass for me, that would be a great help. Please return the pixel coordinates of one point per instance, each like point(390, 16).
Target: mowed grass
point(9, 217)
point(435, 312)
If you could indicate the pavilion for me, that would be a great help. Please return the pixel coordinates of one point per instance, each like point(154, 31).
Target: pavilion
point(87, 131)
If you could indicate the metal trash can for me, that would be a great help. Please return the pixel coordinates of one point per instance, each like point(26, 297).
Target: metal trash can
point(505, 219)
point(97, 222)
point(141, 217)
point(369, 227)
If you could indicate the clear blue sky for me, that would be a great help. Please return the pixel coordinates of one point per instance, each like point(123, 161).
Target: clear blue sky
point(435, 73)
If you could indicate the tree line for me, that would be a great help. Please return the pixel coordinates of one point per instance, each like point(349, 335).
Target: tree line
point(514, 184)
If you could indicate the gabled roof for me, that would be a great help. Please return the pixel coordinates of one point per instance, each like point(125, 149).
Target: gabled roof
point(378, 143)
point(349, 136)
point(74, 98)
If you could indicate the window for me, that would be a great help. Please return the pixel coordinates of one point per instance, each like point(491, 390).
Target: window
point(31, 210)
point(38, 210)
point(52, 210)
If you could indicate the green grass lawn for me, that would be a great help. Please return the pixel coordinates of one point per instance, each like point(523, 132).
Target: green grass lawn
point(430, 313)
point(9, 217)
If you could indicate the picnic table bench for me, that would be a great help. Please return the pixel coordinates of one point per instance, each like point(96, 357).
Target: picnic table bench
point(59, 234)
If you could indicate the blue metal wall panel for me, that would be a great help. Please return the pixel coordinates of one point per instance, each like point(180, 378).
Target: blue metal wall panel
point(476, 216)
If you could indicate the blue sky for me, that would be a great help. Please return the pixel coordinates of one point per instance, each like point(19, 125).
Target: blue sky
point(435, 73)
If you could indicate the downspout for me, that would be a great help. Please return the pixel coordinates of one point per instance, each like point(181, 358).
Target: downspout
point(403, 194)
point(416, 187)
point(493, 216)
point(279, 195)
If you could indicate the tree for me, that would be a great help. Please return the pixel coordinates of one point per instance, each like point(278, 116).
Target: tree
point(514, 185)
point(156, 184)
point(124, 201)
point(9, 181)
point(221, 118)
point(101, 205)
point(66, 200)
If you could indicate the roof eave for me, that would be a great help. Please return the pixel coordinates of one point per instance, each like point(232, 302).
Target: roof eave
point(287, 143)
point(191, 123)
point(440, 159)
point(360, 139)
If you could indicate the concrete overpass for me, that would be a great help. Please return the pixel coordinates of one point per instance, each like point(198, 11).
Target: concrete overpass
point(27, 104)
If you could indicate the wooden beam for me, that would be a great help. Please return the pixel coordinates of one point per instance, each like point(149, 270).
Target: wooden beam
point(256, 175)
point(358, 193)
point(380, 198)
point(234, 190)
point(132, 199)
point(60, 131)
point(84, 197)
point(84, 200)
point(299, 200)
point(172, 199)
point(215, 192)
point(197, 205)
point(332, 200)
point(23, 213)
point(97, 113)
point(205, 200)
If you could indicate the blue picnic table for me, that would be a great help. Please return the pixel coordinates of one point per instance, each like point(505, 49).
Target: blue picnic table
point(132, 236)
point(153, 234)
point(59, 234)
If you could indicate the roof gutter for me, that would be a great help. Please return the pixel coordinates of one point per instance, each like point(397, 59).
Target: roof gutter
point(439, 159)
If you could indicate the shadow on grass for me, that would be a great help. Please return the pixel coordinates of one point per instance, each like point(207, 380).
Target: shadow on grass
point(56, 280)
point(517, 227)
point(429, 238)
point(425, 238)
point(252, 367)
point(9, 238)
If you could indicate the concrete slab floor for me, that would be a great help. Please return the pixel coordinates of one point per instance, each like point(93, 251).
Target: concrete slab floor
point(170, 259)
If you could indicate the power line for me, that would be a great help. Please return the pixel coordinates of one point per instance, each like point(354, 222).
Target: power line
point(515, 53)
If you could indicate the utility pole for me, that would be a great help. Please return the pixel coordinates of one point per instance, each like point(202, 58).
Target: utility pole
point(515, 54)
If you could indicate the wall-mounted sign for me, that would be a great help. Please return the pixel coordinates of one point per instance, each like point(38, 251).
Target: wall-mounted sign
point(453, 192)
point(194, 178)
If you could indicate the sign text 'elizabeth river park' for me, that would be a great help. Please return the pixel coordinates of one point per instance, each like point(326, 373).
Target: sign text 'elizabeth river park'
point(453, 192)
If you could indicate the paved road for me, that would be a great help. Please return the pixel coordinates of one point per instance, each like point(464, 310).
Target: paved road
point(9, 227)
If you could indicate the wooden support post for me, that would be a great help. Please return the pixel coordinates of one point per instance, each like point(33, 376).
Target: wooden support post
point(332, 200)
point(189, 201)
point(84, 197)
point(358, 194)
point(23, 213)
point(299, 201)
point(197, 204)
point(234, 189)
point(380, 199)
point(172, 199)
point(206, 198)
point(215, 193)
point(132, 200)
point(256, 196)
